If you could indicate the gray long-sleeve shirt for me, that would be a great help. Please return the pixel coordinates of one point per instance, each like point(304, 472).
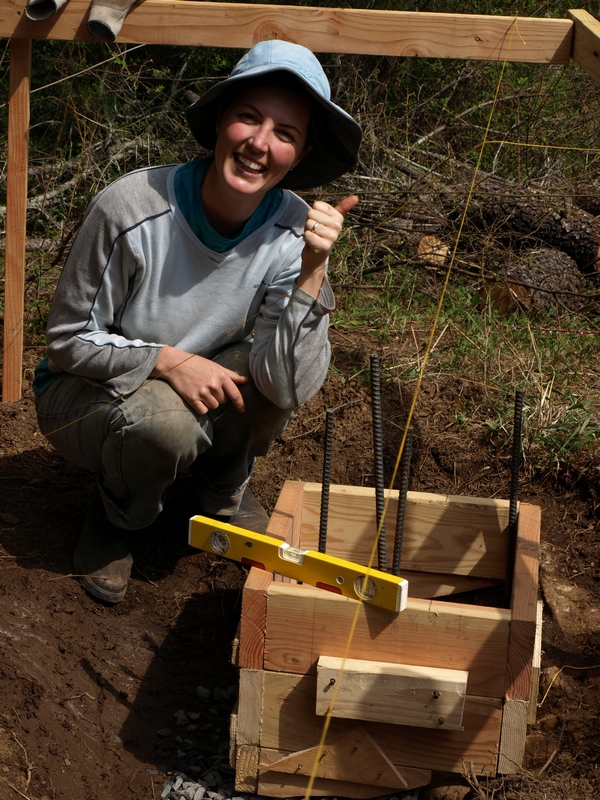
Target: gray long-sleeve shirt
point(137, 278)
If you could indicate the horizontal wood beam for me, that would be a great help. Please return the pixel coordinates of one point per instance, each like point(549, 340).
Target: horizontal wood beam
point(304, 623)
point(333, 30)
point(586, 42)
point(401, 694)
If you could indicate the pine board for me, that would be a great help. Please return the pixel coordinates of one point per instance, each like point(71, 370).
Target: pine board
point(304, 623)
point(289, 723)
point(334, 30)
point(586, 41)
point(442, 534)
point(397, 694)
point(16, 216)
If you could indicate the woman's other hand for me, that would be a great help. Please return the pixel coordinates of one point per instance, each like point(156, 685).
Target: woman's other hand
point(202, 383)
point(321, 230)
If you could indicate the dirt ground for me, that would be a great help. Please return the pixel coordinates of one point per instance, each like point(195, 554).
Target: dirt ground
point(84, 688)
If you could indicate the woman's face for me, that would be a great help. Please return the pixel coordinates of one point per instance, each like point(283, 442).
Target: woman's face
point(261, 135)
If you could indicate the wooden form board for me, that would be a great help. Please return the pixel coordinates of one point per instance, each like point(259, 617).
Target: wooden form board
point(288, 697)
point(304, 623)
point(398, 694)
point(445, 534)
point(285, 524)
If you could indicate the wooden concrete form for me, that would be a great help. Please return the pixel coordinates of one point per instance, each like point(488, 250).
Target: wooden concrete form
point(333, 30)
point(482, 655)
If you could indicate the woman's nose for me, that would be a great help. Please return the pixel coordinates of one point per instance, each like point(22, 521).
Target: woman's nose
point(261, 137)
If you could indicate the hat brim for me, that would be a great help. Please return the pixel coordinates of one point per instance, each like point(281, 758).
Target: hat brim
point(339, 135)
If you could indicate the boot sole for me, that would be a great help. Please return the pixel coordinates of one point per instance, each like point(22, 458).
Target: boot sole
point(99, 593)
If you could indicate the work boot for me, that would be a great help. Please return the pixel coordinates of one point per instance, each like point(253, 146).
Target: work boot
point(250, 515)
point(102, 558)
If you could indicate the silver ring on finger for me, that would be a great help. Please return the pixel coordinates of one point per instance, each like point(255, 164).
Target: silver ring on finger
point(312, 230)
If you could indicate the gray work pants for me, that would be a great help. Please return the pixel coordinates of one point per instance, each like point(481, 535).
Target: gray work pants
point(140, 443)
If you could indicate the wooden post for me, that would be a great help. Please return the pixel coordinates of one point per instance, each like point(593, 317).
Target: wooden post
point(16, 216)
point(586, 42)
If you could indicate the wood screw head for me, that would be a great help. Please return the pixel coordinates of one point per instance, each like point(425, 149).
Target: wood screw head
point(436, 695)
point(441, 720)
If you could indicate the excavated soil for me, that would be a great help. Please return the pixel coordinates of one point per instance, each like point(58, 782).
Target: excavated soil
point(84, 688)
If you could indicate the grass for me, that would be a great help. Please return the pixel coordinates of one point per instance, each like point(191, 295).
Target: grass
point(548, 357)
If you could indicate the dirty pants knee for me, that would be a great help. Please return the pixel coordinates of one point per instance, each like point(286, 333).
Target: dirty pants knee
point(138, 444)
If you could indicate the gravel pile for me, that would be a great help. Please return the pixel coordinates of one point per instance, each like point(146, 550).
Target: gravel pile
point(200, 749)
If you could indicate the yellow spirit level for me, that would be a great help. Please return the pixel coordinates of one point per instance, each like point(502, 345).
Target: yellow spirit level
point(307, 566)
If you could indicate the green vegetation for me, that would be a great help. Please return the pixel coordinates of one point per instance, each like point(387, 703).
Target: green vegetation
point(101, 110)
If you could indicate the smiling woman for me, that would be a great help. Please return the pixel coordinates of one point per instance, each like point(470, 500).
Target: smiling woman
point(261, 136)
point(190, 320)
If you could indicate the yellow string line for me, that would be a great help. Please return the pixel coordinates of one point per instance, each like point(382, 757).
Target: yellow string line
point(566, 666)
point(320, 746)
point(544, 146)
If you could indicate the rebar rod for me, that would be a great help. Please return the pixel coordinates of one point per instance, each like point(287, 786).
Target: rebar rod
point(402, 494)
point(516, 457)
point(327, 447)
point(514, 488)
point(378, 450)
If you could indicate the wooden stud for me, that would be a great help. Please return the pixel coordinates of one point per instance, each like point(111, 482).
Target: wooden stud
point(252, 622)
point(523, 604)
point(289, 697)
point(333, 30)
point(512, 738)
point(286, 518)
point(233, 731)
point(536, 665)
point(246, 768)
point(586, 42)
point(235, 646)
point(249, 706)
point(304, 623)
point(442, 534)
point(287, 515)
point(247, 730)
point(16, 216)
point(284, 523)
point(398, 694)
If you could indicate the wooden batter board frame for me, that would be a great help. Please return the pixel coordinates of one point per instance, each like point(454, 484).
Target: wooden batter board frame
point(331, 30)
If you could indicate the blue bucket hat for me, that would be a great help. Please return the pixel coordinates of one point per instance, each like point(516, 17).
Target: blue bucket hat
point(338, 135)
